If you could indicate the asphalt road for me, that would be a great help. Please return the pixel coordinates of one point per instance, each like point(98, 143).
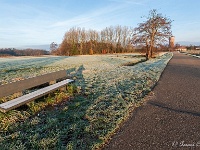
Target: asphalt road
point(170, 118)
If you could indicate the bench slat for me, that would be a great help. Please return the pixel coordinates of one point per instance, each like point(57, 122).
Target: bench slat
point(31, 96)
point(19, 86)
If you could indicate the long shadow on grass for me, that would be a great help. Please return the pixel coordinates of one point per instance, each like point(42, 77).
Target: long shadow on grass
point(64, 126)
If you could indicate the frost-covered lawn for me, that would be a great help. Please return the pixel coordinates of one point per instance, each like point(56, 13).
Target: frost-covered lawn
point(17, 68)
point(107, 91)
point(193, 53)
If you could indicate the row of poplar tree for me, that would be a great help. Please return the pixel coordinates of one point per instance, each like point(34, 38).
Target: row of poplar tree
point(79, 41)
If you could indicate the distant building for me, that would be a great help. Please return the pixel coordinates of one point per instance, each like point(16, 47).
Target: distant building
point(171, 42)
point(181, 48)
point(197, 47)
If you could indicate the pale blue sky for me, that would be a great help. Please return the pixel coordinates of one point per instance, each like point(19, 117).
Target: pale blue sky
point(38, 22)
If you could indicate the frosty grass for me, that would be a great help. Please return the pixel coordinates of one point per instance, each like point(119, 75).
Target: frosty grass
point(110, 90)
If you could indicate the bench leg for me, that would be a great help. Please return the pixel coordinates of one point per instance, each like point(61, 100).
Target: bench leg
point(18, 94)
point(52, 82)
point(63, 89)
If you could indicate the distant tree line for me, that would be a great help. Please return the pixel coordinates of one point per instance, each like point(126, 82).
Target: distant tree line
point(24, 52)
point(78, 41)
point(193, 47)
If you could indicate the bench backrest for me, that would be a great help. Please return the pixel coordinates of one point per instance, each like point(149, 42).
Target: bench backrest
point(19, 86)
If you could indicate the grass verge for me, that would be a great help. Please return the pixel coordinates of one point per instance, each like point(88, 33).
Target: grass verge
point(104, 99)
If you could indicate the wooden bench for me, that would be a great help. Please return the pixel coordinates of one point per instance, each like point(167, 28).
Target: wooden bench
point(19, 86)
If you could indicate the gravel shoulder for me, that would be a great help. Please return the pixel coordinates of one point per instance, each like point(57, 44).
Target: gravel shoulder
point(170, 118)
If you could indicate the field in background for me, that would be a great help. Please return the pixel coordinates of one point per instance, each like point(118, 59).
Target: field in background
point(18, 68)
point(193, 52)
point(108, 87)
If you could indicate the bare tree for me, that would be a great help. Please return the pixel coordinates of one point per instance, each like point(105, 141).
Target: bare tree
point(155, 30)
point(83, 35)
point(125, 37)
point(53, 46)
point(78, 41)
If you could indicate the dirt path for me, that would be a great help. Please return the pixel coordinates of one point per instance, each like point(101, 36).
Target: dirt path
point(171, 117)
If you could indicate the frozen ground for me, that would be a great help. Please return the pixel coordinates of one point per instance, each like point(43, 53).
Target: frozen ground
point(109, 91)
point(17, 68)
point(103, 76)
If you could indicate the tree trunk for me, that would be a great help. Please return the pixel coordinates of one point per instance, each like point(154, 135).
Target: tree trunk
point(81, 49)
point(147, 52)
point(151, 53)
